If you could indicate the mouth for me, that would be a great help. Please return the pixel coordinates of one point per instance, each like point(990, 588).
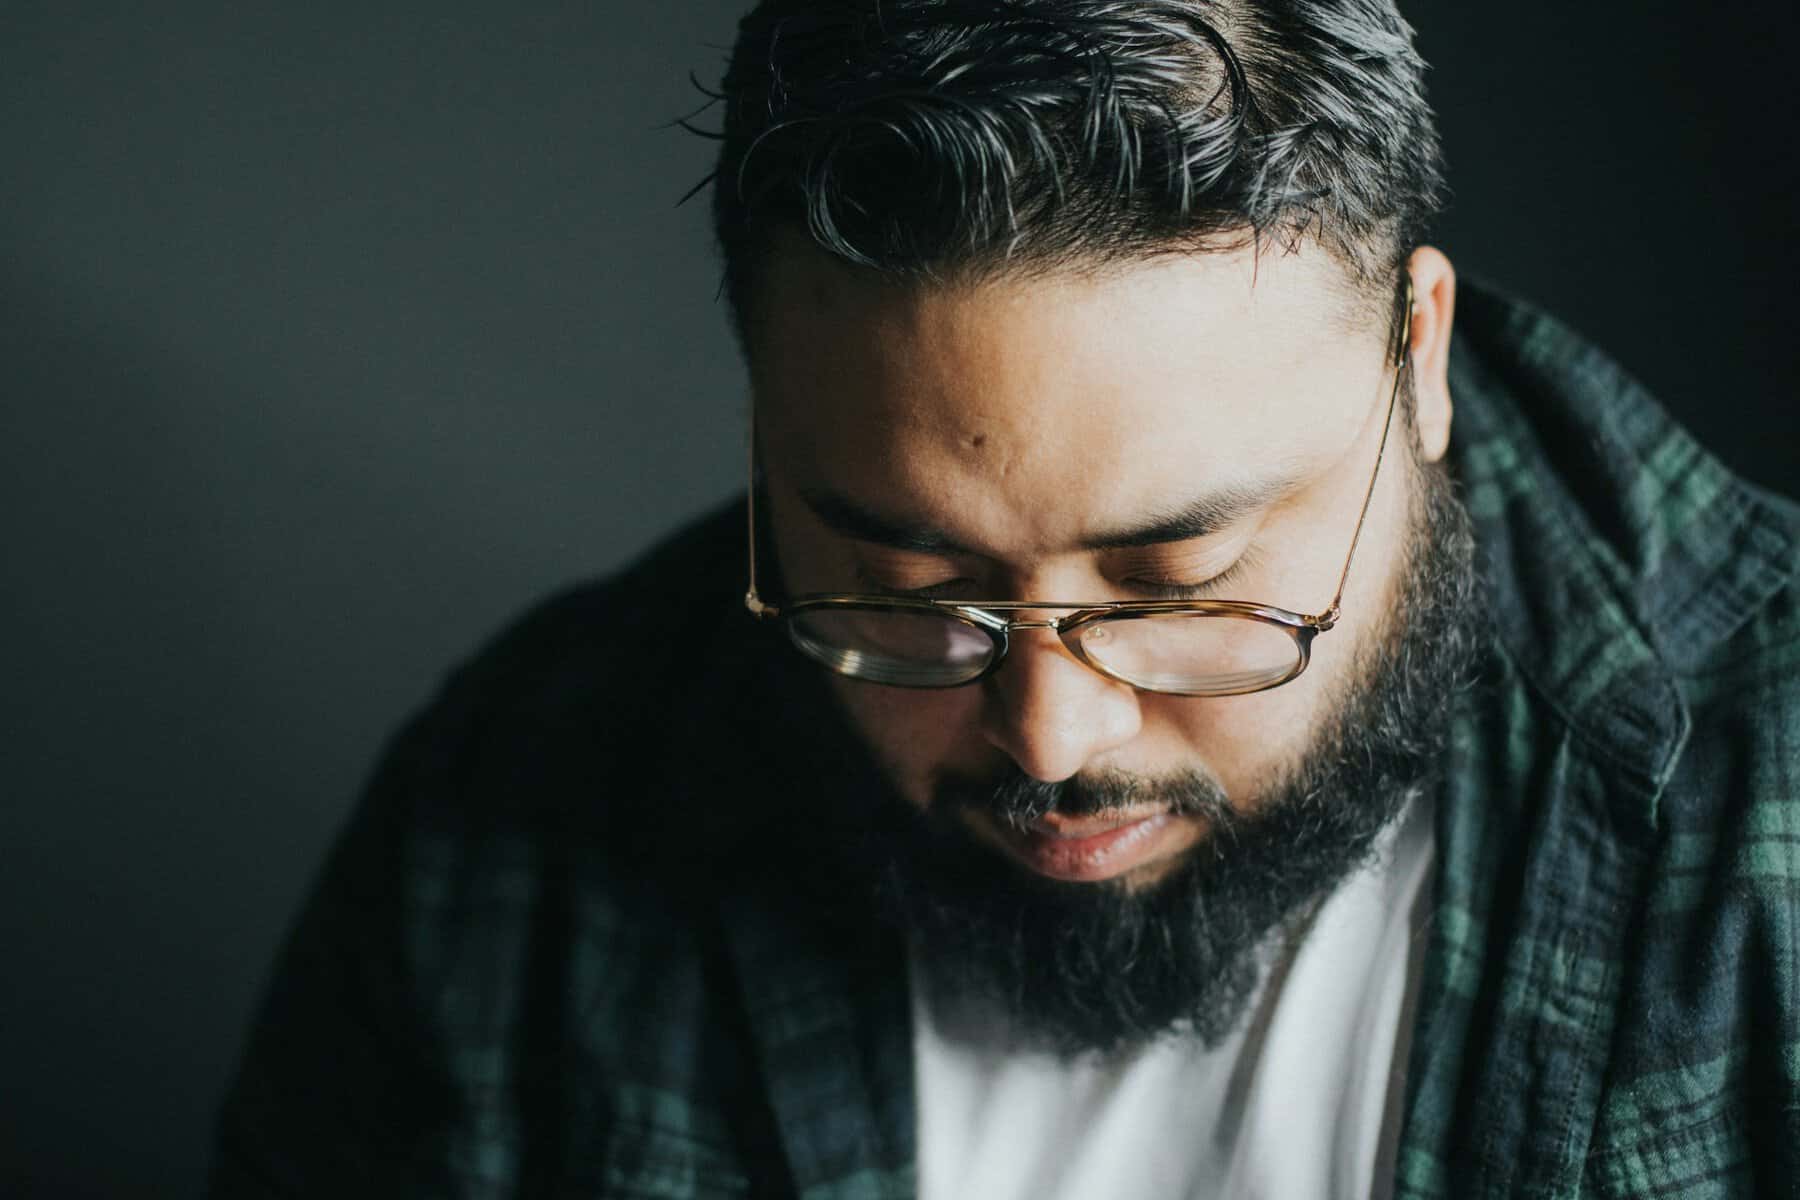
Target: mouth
point(1090, 849)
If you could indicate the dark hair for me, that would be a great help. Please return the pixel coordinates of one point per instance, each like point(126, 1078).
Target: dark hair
point(929, 139)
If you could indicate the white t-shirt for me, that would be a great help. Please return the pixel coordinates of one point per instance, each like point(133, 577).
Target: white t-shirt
point(1302, 1102)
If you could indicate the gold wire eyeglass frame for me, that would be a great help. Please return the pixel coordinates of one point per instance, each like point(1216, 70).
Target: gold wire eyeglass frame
point(985, 615)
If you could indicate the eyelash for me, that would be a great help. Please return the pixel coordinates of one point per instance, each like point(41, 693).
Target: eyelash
point(1161, 591)
point(934, 592)
point(1205, 588)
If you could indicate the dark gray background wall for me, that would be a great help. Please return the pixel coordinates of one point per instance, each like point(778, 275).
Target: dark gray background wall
point(332, 334)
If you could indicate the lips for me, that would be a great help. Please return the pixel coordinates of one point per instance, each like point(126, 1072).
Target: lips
point(1057, 825)
point(1088, 849)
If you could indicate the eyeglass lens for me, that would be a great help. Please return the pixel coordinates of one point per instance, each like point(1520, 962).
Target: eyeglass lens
point(1186, 653)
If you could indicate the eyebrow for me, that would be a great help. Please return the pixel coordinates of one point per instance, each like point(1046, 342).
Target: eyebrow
point(1201, 517)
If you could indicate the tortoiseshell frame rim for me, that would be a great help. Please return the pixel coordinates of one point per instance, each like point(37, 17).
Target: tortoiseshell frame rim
point(981, 614)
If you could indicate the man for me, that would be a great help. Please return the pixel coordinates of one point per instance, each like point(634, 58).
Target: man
point(1201, 726)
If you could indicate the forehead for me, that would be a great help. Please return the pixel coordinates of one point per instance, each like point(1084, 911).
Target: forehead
point(1027, 413)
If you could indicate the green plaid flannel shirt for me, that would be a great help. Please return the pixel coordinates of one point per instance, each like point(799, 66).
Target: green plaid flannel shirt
point(584, 935)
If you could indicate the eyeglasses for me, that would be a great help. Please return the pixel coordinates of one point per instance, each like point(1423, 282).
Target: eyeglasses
point(1182, 648)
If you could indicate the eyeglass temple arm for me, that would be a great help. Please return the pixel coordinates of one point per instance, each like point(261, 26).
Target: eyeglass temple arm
point(1402, 352)
point(752, 601)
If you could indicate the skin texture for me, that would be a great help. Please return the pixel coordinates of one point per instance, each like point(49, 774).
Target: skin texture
point(1021, 417)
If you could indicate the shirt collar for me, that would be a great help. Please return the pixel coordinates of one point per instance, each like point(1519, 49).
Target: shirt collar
point(1616, 550)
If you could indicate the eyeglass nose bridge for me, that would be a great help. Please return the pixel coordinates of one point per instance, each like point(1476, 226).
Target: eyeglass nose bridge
point(995, 615)
point(1002, 628)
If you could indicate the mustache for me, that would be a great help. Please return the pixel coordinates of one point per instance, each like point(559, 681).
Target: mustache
point(1015, 799)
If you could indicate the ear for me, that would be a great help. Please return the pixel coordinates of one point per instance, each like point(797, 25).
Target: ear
point(1434, 307)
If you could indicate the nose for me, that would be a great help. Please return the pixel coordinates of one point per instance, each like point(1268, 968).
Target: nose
point(1050, 714)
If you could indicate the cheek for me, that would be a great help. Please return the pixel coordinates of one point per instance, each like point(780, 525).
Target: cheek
point(914, 734)
point(1246, 741)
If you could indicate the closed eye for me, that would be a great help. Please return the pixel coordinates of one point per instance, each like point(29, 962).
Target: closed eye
point(935, 591)
point(1205, 589)
point(1159, 589)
